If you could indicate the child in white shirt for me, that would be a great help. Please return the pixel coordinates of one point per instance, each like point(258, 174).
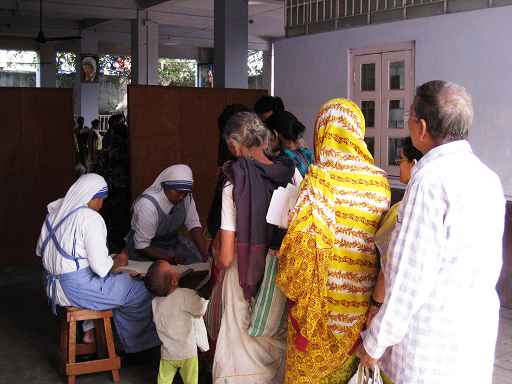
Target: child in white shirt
point(174, 309)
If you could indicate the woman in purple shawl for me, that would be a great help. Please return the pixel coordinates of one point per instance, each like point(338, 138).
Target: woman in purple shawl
point(245, 239)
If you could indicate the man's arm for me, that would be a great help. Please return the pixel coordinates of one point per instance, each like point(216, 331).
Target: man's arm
point(414, 259)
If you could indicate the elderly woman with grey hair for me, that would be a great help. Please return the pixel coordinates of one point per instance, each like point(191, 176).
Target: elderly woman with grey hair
point(245, 240)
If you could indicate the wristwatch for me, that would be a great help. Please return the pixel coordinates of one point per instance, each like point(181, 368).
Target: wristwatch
point(375, 303)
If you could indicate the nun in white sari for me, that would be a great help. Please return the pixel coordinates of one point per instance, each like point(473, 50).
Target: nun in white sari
point(77, 265)
point(159, 214)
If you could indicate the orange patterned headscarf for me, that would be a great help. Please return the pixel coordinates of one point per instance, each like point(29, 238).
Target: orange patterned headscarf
point(327, 263)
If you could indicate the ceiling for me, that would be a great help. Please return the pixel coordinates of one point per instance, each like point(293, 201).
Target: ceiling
point(184, 26)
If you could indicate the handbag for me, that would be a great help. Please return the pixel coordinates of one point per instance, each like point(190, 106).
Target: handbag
point(268, 314)
point(365, 375)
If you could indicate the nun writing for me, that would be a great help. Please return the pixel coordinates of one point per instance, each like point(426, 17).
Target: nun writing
point(159, 214)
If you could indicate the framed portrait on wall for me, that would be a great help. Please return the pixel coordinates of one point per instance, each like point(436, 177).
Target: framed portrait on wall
point(89, 65)
point(205, 75)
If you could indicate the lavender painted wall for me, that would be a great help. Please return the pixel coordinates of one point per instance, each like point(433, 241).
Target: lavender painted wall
point(470, 48)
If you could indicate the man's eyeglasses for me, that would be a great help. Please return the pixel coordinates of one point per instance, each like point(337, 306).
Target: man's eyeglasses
point(407, 115)
point(398, 160)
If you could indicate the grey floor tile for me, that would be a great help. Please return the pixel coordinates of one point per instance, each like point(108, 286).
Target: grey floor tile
point(29, 335)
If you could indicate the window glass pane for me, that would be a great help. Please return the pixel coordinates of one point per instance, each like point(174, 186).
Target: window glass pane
point(394, 149)
point(368, 109)
point(396, 113)
point(368, 77)
point(397, 75)
point(370, 144)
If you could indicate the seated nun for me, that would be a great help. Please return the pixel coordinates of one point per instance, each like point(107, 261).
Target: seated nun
point(157, 217)
point(73, 245)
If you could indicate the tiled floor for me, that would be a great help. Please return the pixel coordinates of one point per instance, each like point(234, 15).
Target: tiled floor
point(29, 333)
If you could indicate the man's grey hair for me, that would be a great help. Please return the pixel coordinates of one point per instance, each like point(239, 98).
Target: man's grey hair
point(447, 109)
point(245, 128)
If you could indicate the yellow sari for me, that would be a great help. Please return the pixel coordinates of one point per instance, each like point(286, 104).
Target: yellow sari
point(327, 263)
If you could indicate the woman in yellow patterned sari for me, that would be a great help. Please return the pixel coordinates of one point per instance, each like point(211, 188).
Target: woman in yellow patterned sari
point(328, 264)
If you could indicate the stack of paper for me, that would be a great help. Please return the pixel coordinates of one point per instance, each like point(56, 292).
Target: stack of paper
point(281, 206)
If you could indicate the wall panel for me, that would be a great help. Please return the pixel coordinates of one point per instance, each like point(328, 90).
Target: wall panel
point(36, 164)
point(173, 125)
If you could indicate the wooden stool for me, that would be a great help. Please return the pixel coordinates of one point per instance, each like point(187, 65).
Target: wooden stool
point(103, 346)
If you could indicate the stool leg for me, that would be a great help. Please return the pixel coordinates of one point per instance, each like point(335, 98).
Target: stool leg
point(72, 348)
point(101, 348)
point(72, 342)
point(64, 343)
point(110, 346)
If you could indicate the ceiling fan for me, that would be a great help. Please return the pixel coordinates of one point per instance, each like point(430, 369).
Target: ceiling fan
point(41, 38)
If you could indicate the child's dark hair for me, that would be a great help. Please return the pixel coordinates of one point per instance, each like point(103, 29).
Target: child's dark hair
point(410, 151)
point(286, 124)
point(156, 281)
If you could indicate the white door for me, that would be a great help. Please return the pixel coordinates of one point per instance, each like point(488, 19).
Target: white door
point(383, 87)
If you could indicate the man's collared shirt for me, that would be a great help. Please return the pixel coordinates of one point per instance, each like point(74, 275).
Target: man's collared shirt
point(439, 320)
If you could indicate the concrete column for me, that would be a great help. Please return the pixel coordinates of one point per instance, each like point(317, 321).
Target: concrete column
point(145, 48)
point(230, 44)
point(267, 78)
point(86, 94)
point(46, 73)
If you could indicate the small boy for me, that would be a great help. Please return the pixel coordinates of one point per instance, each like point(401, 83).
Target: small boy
point(174, 309)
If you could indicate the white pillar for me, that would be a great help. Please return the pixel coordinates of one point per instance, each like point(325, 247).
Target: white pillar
point(46, 75)
point(145, 48)
point(87, 94)
point(230, 44)
point(267, 77)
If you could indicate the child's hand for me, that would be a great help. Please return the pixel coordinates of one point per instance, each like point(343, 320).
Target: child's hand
point(120, 260)
point(179, 259)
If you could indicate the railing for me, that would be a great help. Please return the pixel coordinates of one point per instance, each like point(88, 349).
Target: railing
point(312, 16)
point(104, 120)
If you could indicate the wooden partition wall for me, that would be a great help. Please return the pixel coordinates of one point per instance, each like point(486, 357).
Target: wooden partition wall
point(173, 125)
point(36, 164)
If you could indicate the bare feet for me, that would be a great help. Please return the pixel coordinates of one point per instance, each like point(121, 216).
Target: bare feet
point(89, 337)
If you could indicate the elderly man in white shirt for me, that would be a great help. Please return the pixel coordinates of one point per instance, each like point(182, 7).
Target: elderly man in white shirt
point(439, 319)
point(157, 217)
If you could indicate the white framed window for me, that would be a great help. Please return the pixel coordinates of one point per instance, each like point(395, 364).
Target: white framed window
point(383, 87)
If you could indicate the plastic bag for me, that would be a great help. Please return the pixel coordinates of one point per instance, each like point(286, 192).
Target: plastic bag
point(365, 375)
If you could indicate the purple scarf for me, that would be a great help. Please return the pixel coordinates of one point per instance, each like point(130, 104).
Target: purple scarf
point(253, 185)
